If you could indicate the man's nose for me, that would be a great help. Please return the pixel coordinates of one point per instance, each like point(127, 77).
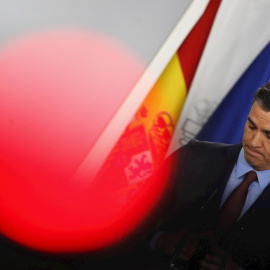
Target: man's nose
point(256, 139)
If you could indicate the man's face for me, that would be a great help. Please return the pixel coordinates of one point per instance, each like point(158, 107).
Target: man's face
point(256, 138)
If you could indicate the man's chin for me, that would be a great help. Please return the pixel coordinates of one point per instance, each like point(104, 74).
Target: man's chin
point(251, 160)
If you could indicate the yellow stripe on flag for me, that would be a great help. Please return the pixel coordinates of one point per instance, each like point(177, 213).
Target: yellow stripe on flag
point(143, 145)
point(168, 94)
point(160, 110)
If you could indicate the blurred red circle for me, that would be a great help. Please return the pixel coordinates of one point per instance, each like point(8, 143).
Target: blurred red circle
point(59, 90)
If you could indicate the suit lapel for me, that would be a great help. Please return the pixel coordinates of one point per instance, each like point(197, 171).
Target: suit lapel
point(230, 158)
point(260, 205)
point(218, 183)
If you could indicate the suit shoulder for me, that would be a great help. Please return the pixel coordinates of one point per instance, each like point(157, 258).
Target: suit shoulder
point(210, 148)
point(202, 148)
point(195, 144)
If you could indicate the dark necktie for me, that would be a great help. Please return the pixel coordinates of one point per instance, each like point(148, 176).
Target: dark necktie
point(233, 205)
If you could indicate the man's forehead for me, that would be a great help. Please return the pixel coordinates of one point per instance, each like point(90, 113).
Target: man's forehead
point(259, 117)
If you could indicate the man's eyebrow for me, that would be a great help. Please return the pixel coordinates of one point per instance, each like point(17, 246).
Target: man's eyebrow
point(251, 121)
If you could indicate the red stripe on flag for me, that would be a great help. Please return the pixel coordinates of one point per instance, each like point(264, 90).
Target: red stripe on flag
point(191, 49)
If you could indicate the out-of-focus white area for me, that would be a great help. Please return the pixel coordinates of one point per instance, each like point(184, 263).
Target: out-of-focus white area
point(141, 26)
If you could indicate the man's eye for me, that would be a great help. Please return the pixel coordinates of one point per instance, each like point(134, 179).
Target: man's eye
point(251, 127)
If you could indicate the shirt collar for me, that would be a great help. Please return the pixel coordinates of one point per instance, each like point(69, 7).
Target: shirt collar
point(242, 167)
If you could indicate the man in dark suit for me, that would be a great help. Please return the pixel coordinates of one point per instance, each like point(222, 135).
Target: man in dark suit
point(202, 175)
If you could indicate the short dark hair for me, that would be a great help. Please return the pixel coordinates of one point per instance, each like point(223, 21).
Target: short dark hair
point(262, 96)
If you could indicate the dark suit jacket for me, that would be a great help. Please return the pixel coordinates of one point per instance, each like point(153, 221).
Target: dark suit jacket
point(198, 179)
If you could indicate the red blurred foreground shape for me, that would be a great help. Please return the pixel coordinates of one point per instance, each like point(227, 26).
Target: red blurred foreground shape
point(59, 90)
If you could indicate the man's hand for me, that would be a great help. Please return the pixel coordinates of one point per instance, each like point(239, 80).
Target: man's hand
point(168, 242)
point(217, 259)
point(191, 244)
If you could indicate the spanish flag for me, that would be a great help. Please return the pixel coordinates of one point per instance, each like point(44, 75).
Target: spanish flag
point(144, 143)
